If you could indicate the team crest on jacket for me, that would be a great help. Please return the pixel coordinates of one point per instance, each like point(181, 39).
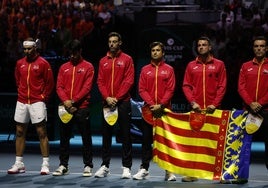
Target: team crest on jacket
point(35, 67)
point(120, 63)
point(265, 71)
point(81, 70)
point(211, 67)
point(164, 72)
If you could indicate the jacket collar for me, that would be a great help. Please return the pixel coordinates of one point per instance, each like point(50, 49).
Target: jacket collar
point(209, 59)
point(254, 61)
point(116, 55)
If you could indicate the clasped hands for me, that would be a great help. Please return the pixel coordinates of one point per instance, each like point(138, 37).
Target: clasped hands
point(68, 104)
point(111, 101)
point(210, 108)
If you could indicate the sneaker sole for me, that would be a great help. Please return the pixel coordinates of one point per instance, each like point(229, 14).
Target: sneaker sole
point(100, 176)
point(44, 173)
point(16, 172)
point(126, 177)
point(144, 178)
point(173, 179)
point(55, 174)
point(87, 175)
point(97, 176)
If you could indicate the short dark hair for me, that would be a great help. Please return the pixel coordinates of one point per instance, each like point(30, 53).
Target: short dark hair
point(261, 37)
point(204, 38)
point(75, 45)
point(157, 43)
point(115, 34)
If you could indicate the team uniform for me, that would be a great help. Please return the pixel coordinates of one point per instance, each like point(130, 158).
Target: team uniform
point(205, 83)
point(74, 83)
point(253, 87)
point(156, 86)
point(35, 84)
point(115, 79)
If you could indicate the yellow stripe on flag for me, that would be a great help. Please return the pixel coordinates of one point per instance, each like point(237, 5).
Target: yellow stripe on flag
point(190, 141)
point(194, 157)
point(176, 122)
point(183, 171)
point(186, 126)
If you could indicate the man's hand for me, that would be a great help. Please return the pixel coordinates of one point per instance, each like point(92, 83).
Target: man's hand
point(67, 104)
point(155, 107)
point(196, 107)
point(157, 110)
point(210, 109)
point(72, 110)
point(111, 101)
point(255, 107)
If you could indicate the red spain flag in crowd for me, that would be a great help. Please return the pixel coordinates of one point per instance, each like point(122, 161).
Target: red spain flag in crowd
point(208, 146)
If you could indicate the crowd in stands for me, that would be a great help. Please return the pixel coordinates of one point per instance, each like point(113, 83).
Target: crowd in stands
point(54, 22)
point(232, 37)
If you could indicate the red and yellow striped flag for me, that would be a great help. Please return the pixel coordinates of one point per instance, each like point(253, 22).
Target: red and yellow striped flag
point(198, 153)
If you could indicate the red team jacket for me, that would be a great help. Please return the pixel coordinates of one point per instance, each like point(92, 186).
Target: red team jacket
point(75, 82)
point(116, 76)
point(253, 83)
point(34, 80)
point(205, 83)
point(157, 84)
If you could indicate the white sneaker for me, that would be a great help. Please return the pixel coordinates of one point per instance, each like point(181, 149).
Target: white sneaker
point(142, 174)
point(44, 169)
point(102, 172)
point(18, 167)
point(87, 172)
point(62, 170)
point(170, 176)
point(126, 173)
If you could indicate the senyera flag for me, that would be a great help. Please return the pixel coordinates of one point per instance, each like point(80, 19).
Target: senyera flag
point(218, 150)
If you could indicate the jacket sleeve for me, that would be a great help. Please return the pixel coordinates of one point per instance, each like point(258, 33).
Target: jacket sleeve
point(187, 87)
point(143, 90)
point(60, 87)
point(101, 82)
point(242, 88)
point(87, 85)
point(49, 82)
point(17, 75)
point(128, 81)
point(221, 88)
point(264, 100)
point(169, 88)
